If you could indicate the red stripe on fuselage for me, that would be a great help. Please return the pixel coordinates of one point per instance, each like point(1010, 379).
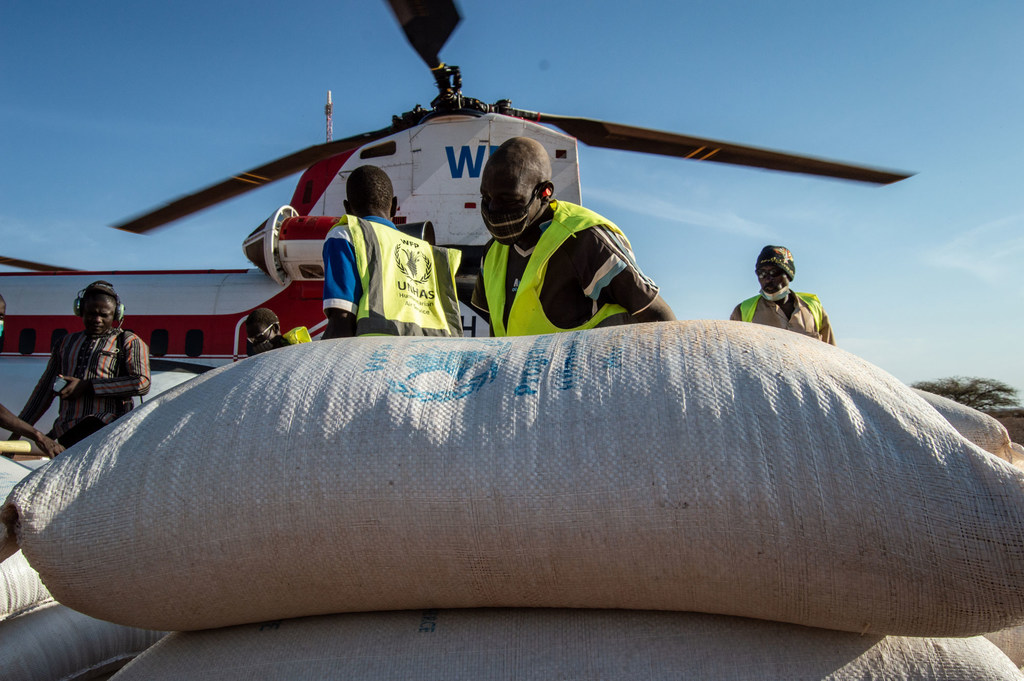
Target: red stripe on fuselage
point(315, 180)
point(300, 304)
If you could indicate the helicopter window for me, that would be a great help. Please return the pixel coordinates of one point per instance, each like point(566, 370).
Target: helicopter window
point(307, 192)
point(559, 153)
point(194, 342)
point(56, 336)
point(386, 149)
point(158, 341)
point(27, 341)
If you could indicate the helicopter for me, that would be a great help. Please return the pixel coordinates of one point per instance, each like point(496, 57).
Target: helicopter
point(194, 320)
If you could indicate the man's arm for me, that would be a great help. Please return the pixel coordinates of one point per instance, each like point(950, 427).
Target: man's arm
point(340, 324)
point(42, 396)
point(825, 332)
point(342, 286)
point(608, 272)
point(18, 427)
point(657, 311)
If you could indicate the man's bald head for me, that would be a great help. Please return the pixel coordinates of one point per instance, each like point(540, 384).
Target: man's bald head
point(521, 157)
point(516, 189)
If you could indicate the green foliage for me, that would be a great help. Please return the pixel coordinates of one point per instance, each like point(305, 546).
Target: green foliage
point(978, 393)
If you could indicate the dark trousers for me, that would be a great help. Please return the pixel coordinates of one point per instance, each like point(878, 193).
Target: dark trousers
point(81, 430)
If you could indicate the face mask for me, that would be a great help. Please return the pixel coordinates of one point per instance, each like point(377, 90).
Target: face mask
point(777, 296)
point(506, 228)
point(1, 328)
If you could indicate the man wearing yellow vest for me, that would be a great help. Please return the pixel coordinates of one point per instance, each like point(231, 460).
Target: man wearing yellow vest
point(263, 329)
point(377, 280)
point(552, 265)
point(776, 305)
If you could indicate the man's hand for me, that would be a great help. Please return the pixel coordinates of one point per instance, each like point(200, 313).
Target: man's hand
point(50, 448)
point(76, 387)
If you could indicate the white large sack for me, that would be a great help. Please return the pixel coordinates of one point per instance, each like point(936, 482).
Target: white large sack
point(1011, 642)
point(978, 427)
point(696, 466)
point(611, 645)
point(21, 589)
point(20, 586)
point(11, 473)
point(54, 642)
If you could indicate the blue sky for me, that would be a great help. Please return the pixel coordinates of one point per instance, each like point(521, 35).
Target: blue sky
point(109, 109)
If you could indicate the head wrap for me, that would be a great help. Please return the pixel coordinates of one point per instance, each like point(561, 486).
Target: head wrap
point(778, 256)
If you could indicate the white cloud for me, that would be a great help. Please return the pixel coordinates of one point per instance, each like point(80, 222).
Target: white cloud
point(992, 252)
point(668, 211)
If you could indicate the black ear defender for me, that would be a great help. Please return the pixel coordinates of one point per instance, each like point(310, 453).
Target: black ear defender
point(102, 287)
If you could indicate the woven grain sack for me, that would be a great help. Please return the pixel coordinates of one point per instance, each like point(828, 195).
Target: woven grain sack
point(11, 473)
point(1011, 642)
point(980, 428)
point(714, 467)
point(20, 586)
point(21, 589)
point(54, 642)
point(612, 645)
point(1018, 454)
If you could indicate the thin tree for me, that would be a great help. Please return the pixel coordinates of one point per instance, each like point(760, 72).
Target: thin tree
point(978, 393)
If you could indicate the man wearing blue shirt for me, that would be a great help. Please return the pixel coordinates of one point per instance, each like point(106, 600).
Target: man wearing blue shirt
point(378, 281)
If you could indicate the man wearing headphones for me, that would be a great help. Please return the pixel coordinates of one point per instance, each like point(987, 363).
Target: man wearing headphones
point(552, 265)
point(95, 372)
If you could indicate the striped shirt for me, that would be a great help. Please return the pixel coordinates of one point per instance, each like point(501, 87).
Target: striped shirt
point(94, 358)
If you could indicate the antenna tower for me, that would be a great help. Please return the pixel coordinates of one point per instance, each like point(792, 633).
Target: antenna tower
point(329, 112)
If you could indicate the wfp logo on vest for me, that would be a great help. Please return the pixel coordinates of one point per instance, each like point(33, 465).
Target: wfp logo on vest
point(416, 267)
point(468, 160)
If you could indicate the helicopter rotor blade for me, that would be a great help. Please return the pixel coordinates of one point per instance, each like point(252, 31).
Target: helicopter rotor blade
point(629, 138)
point(244, 182)
point(427, 25)
point(34, 266)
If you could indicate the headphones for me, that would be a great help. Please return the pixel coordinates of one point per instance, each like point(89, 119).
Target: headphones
point(106, 288)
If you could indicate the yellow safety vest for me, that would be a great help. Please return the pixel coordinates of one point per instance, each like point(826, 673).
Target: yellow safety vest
point(299, 334)
point(527, 318)
point(748, 306)
point(408, 285)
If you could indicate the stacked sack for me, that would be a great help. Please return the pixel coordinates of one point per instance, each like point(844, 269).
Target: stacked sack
point(978, 427)
point(42, 640)
point(991, 435)
point(696, 467)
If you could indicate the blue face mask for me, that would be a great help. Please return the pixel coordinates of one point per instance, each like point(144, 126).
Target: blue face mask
point(1, 328)
point(777, 296)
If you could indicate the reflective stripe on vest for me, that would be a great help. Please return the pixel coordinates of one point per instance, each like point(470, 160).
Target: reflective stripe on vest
point(527, 316)
point(748, 306)
point(408, 285)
